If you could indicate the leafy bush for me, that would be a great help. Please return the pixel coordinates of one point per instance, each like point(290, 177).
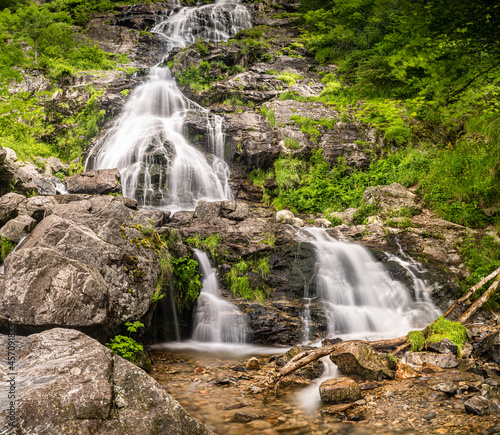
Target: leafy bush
point(209, 244)
point(124, 346)
point(481, 256)
point(363, 212)
point(6, 247)
point(239, 283)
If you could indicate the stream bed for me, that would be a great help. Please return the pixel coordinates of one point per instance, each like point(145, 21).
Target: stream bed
point(217, 389)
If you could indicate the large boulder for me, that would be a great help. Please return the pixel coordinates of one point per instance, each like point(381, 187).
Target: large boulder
point(18, 227)
point(9, 206)
point(21, 177)
point(489, 347)
point(232, 210)
point(100, 182)
point(362, 360)
point(392, 198)
point(91, 390)
point(85, 265)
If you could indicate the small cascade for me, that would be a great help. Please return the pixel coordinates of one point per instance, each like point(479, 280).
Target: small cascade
point(216, 320)
point(359, 297)
point(158, 166)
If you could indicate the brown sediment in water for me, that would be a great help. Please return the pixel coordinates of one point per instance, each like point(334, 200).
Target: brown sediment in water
point(220, 392)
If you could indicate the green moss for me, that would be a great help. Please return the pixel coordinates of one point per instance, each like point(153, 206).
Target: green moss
point(440, 329)
point(417, 340)
point(444, 328)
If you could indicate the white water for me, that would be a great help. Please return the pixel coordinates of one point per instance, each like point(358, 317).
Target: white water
point(158, 166)
point(359, 297)
point(216, 320)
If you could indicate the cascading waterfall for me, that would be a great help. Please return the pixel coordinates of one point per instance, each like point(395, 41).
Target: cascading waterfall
point(216, 320)
point(158, 166)
point(359, 297)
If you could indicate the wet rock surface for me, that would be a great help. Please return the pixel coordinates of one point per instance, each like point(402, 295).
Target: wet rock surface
point(69, 383)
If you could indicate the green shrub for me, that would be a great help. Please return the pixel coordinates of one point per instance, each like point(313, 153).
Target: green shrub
point(481, 256)
point(209, 244)
point(289, 77)
point(269, 114)
point(239, 284)
point(363, 212)
point(292, 143)
point(402, 224)
point(6, 247)
point(124, 346)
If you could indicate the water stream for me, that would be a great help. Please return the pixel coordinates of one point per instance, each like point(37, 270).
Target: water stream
point(359, 297)
point(216, 320)
point(158, 166)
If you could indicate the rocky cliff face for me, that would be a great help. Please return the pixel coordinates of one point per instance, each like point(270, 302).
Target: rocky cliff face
point(89, 248)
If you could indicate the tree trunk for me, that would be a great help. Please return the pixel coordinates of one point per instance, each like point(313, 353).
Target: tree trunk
point(481, 301)
point(472, 291)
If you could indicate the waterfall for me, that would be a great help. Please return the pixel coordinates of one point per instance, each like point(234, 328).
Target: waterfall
point(157, 164)
point(216, 320)
point(359, 297)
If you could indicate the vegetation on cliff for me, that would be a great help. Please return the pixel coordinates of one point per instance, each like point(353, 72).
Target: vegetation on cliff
point(43, 47)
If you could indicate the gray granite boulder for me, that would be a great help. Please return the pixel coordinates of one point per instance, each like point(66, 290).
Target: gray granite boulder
point(68, 383)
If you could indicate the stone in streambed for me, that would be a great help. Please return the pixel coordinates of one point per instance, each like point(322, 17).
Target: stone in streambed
point(489, 347)
point(253, 364)
point(362, 360)
point(443, 346)
point(340, 390)
point(404, 371)
point(480, 405)
point(444, 361)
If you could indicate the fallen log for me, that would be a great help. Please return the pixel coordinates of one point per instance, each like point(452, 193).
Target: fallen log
point(480, 302)
point(472, 290)
point(302, 359)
